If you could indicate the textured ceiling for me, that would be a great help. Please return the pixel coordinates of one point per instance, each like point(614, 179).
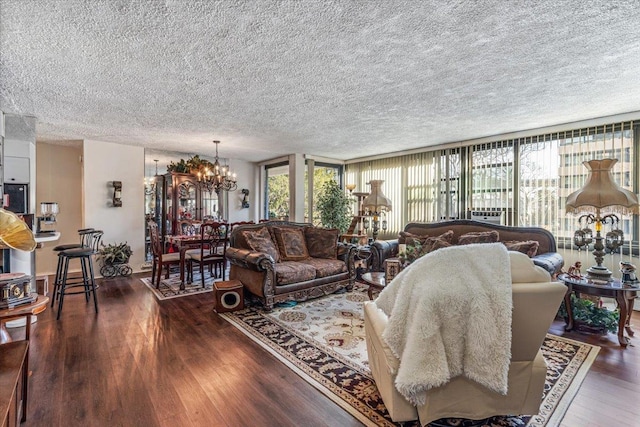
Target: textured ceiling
point(340, 79)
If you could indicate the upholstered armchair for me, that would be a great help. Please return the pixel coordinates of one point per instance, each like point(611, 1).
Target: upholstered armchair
point(535, 302)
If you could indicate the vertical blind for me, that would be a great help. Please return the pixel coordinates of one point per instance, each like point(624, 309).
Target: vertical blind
point(527, 179)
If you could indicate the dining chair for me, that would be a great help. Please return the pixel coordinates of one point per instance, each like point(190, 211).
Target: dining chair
point(189, 228)
point(212, 250)
point(160, 259)
point(186, 228)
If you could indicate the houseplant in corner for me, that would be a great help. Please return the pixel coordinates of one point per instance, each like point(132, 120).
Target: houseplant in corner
point(334, 207)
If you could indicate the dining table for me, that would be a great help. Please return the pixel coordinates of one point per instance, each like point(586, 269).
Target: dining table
point(184, 243)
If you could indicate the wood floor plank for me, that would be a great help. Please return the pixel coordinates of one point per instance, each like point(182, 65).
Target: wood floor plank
point(176, 363)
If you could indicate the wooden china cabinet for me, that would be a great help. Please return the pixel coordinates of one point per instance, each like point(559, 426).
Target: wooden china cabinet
point(178, 197)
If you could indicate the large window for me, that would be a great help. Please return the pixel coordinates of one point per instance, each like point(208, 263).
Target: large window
point(322, 172)
point(422, 187)
point(527, 179)
point(492, 178)
point(277, 192)
point(277, 189)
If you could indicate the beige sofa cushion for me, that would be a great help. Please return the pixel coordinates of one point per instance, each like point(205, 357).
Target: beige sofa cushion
point(523, 270)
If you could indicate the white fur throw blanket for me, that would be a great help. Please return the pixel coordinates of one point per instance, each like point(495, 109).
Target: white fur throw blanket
point(449, 315)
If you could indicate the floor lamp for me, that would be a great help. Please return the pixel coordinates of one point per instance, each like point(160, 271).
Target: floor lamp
point(600, 192)
point(375, 205)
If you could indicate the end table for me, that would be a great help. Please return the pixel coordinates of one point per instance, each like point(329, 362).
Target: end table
point(375, 280)
point(623, 294)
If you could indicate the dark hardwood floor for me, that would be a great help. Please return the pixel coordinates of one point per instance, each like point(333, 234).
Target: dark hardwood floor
point(141, 362)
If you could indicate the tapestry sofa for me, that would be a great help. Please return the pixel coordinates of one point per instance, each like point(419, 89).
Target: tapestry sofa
point(535, 302)
point(279, 261)
point(545, 255)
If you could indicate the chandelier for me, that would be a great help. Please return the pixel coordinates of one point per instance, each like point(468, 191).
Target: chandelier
point(218, 178)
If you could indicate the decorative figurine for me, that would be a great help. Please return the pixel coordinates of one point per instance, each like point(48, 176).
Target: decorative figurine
point(628, 271)
point(574, 271)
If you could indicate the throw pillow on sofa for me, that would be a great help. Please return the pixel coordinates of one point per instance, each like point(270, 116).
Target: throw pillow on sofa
point(479, 237)
point(420, 247)
point(291, 243)
point(434, 243)
point(411, 239)
point(260, 241)
point(528, 247)
point(322, 242)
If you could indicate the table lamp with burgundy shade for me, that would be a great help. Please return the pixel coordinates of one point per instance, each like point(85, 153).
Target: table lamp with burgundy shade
point(601, 193)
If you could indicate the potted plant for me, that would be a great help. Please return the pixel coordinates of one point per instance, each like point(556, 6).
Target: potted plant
point(180, 167)
point(591, 318)
point(196, 164)
point(334, 207)
point(192, 165)
point(116, 253)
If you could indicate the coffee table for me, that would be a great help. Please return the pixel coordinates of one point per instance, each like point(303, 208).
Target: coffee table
point(375, 280)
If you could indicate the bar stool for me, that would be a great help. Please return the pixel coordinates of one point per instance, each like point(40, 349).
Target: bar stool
point(89, 237)
point(85, 241)
point(63, 283)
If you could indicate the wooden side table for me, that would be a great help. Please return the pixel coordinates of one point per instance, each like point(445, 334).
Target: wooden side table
point(27, 310)
point(623, 294)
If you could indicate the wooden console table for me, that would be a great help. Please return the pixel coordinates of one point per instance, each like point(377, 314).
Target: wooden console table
point(13, 378)
point(623, 294)
point(27, 310)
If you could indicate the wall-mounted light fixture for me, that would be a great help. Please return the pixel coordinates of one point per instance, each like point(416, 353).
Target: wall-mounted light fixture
point(245, 199)
point(117, 194)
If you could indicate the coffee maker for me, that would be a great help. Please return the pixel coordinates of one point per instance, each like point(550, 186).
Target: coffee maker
point(47, 219)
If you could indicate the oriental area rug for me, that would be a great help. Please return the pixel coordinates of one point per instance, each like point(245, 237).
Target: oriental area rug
point(323, 341)
point(170, 288)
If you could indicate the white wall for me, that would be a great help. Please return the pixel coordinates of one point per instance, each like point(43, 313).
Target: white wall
point(246, 173)
point(20, 137)
point(59, 179)
point(106, 162)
